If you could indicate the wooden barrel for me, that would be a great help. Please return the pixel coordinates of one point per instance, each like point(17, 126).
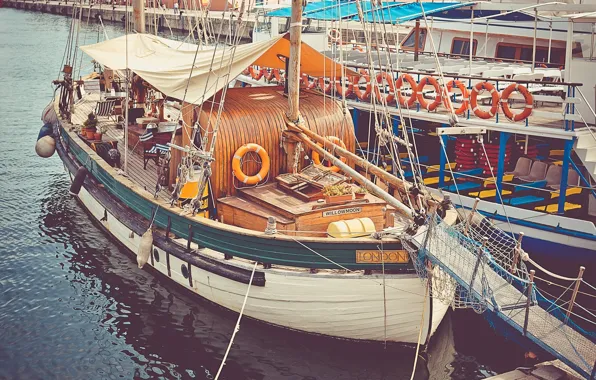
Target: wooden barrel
point(256, 115)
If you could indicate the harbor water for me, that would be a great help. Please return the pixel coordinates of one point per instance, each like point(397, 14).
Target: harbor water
point(74, 305)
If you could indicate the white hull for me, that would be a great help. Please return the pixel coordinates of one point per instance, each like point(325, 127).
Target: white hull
point(348, 306)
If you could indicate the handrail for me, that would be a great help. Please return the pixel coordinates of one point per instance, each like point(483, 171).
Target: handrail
point(581, 176)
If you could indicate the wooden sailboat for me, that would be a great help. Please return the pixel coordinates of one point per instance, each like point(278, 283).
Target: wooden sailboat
point(335, 269)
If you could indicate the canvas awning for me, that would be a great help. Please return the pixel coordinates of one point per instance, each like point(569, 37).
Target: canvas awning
point(167, 65)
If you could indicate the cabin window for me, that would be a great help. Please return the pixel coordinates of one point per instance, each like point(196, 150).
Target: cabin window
point(461, 46)
point(524, 53)
point(408, 42)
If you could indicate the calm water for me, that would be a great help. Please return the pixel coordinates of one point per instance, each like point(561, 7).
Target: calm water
point(74, 305)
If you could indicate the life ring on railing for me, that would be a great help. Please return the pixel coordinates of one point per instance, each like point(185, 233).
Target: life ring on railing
point(237, 164)
point(527, 97)
point(543, 66)
point(386, 77)
point(464, 91)
point(423, 103)
point(362, 95)
point(274, 74)
point(344, 91)
point(254, 75)
point(397, 88)
point(317, 159)
point(308, 83)
point(326, 88)
point(474, 100)
point(358, 48)
point(334, 35)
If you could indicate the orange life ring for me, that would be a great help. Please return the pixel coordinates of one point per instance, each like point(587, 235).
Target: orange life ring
point(464, 91)
point(543, 66)
point(474, 100)
point(527, 97)
point(402, 99)
point(308, 83)
point(334, 35)
point(423, 103)
point(237, 164)
point(389, 96)
point(317, 159)
point(356, 87)
point(326, 88)
point(274, 74)
point(344, 91)
point(246, 71)
point(253, 73)
point(358, 48)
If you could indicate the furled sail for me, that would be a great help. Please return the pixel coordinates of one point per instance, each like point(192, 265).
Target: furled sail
point(167, 65)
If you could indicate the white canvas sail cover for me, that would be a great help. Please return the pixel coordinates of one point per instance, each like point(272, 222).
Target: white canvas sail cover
point(167, 65)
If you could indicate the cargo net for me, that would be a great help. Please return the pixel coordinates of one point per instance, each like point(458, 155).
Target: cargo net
point(471, 253)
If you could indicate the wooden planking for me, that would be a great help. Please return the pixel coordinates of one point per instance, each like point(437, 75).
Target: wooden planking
point(257, 115)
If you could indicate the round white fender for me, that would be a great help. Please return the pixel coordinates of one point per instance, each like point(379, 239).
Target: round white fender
point(145, 248)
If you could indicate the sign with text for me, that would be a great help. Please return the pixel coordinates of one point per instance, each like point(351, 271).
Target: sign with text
point(343, 211)
point(378, 257)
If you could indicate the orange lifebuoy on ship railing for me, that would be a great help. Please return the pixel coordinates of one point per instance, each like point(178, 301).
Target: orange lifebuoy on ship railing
point(317, 159)
point(362, 95)
point(527, 97)
point(423, 103)
point(254, 74)
point(465, 104)
point(326, 88)
point(274, 75)
point(345, 90)
point(237, 164)
point(308, 83)
point(384, 77)
point(358, 48)
point(474, 100)
point(397, 88)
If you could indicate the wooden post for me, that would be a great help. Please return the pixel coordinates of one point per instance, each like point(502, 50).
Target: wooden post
point(529, 300)
point(293, 73)
point(190, 235)
point(184, 140)
point(138, 10)
point(575, 290)
point(516, 253)
point(416, 38)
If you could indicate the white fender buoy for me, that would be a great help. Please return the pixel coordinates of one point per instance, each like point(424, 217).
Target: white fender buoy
point(48, 116)
point(145, 248)
point(45, 145)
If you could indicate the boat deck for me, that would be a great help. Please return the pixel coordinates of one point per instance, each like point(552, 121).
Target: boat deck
point(147, 178)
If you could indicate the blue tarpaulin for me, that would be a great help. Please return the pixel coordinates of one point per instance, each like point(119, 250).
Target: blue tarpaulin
point(389, 12)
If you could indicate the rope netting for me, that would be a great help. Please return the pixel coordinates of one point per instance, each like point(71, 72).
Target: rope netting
point(475, 265)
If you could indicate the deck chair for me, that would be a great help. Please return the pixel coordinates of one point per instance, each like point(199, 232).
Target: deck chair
point(105, 108)
point(572, 180)
point(522, 167)
point(537, 173)
point(553, 175)
point(154, 147)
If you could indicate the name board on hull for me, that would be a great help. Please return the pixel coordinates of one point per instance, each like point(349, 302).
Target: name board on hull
point(378, 257)
point(344, 211)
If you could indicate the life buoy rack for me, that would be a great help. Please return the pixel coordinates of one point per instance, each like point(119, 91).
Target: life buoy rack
point(494, 103)
point(237, 164)
point(334, 35)
point(362, 95)
point(254, 74)
point(384, 77)
point(465, 104)
point(423, 103)
point(527, 97)
point(397, 88)
point(344, 91)
point(317, 159)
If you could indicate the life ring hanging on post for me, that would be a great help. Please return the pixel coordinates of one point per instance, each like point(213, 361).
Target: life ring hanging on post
point(334, 35)
point(464, 92)
point(527, 97)
point(397, 88)
point(474, 100)
point(364, 79)
point(237, 164)
point(423, 103)
point(317, 159)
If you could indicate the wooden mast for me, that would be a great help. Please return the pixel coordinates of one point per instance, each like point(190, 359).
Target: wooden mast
point(138, 11)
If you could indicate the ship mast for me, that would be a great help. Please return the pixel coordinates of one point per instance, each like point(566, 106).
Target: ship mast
point(293, 74)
